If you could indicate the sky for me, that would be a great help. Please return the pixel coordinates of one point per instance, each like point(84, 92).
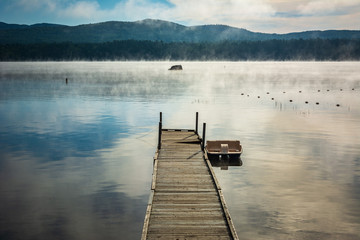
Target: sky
point(270, 16)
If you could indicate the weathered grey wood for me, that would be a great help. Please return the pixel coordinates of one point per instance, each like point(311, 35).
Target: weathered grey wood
point(222, 199)
point(203, 138)
point(147, 216)
point(160, 131)
point(182, 237)
point(153, 184)
point(186, 201)
point(196, 122)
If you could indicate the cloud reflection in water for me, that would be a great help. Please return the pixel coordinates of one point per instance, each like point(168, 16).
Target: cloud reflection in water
point(76, 159)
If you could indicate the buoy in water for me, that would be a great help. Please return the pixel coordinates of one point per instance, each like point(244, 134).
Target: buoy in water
point(66, 80)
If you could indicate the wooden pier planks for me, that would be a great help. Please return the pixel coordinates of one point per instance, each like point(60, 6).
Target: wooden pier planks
point(186, 201)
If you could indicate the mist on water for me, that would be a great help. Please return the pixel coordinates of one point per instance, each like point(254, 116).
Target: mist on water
point(76, 157)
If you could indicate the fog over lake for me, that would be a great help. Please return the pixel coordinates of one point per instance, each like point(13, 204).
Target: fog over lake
point(76, 157)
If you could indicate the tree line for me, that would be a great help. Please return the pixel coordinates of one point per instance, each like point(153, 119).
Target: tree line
point(278, 50)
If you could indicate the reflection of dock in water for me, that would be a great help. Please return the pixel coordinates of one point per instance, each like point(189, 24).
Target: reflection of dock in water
point(186, 200)
point(225, 162)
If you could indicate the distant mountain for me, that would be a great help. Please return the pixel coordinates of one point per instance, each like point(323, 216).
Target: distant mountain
point(149, 29)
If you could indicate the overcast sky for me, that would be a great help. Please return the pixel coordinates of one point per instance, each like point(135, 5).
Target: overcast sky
point(271, 16)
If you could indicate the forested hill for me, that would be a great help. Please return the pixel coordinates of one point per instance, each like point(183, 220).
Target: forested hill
point(149, 30)
point(278, 50)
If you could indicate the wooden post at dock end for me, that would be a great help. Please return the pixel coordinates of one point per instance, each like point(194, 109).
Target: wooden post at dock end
point(160, 129)
point(203, 136)
point(196, 122)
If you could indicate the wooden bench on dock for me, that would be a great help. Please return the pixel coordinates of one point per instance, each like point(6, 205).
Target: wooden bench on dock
point(186, 200)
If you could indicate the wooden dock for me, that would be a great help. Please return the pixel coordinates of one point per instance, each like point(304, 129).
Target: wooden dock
point(186, 201)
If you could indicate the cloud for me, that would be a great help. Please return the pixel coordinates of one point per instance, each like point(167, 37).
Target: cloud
point(140, 9)
point(325, 7)
point(256, 15)
point(205, 11)
point(31, 5)
point(129, 10)
point(185, 11)
point(188, 12)
point(82, 10)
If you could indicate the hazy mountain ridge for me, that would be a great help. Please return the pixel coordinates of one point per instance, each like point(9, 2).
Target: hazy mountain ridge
point(149, 29)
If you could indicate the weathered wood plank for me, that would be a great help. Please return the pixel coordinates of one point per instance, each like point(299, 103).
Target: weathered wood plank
point(163, 207)
point(199, 195)
point(189, 229)
point(187, 237)
point(181, 171)
point(193, 213)
point(153, 184)
point(187, 222)
point(183, 189)
point(147, 216)
point(182, 164)
point(167, 181)
point(182, 216)
point(186, 201)
point(182, 155)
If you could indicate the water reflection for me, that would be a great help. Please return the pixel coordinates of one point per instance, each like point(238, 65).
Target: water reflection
point(76, 158)
point(74, 139)
point(71, 198)
point(305, 166)
point(225, 162)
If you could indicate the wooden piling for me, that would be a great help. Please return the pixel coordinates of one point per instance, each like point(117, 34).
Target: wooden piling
point(196, 122)
point(203, 137)
point(160, 129)
point(159, 137)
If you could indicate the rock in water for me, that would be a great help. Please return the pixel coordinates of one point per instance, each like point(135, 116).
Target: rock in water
point(176, 67)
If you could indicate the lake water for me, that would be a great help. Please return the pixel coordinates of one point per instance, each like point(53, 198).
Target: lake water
point(76, 158)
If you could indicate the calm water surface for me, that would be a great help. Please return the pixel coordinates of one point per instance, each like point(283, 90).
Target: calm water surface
point(76, 158)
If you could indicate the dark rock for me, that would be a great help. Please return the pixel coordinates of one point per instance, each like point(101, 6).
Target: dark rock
point(176, 67)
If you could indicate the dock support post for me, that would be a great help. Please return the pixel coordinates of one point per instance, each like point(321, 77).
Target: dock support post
point(203, 136)
point(196, 122)
point(160, 129)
